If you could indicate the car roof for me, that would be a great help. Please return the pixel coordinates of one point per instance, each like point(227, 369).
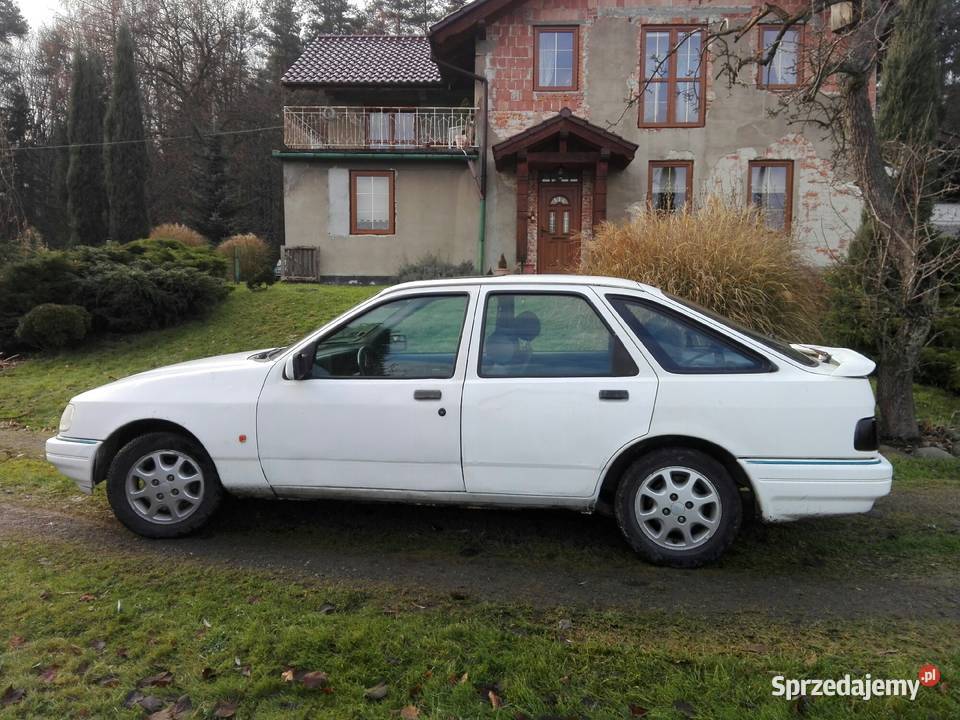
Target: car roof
point(531, 280)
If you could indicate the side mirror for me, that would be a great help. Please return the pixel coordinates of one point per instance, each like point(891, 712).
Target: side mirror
point(299, 365)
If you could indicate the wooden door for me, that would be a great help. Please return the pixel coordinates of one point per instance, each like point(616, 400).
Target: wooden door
point(558, 241)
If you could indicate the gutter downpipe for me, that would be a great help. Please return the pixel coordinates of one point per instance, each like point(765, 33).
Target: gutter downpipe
point(482, 229)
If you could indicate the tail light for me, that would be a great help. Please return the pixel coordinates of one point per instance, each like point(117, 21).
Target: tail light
point(865, 437)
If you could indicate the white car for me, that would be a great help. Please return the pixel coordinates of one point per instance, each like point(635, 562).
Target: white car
point(572, 392)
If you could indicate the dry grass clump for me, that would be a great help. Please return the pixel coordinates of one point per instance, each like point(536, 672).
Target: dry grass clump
point(181, 233)
point(721, 257)
point(253, 251)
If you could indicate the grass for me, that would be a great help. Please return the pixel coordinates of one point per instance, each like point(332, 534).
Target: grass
point(78, 633)
point(34, 392)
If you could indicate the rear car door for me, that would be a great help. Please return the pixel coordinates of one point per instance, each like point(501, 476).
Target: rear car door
point(381, 407)
point(552, 392)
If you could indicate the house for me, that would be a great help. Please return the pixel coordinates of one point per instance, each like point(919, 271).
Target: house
point(510, 130)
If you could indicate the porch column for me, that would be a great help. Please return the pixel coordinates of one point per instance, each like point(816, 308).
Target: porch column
point(522, 207)
point(600, 188)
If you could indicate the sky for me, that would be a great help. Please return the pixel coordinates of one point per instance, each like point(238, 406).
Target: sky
point(37, 12)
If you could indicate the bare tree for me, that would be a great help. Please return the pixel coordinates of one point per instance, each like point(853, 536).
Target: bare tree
point(844, 43)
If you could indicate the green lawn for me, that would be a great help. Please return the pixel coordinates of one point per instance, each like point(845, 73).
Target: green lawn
point(79, 633)
point(33, 393)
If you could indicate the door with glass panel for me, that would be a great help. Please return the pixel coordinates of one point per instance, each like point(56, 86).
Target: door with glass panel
point(558, 245)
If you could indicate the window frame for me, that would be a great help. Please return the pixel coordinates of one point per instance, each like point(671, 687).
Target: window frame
point(766, 365)
point(391, 202)
point(311, 347)
point(767, 27)
point(482, 309)
point(671, 80)
point(653, 165)
point(788, 209)
point(575, 77)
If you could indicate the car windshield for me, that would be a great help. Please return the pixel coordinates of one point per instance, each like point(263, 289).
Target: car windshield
point(781, 346)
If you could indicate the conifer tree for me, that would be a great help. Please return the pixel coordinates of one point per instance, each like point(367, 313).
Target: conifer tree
point(86, 195)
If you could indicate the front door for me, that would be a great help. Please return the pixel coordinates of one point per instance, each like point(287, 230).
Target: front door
point(381, 405)
point(558, 241)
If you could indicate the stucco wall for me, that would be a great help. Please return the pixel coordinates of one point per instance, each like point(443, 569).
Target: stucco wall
point(740, 122)
point(437, 211)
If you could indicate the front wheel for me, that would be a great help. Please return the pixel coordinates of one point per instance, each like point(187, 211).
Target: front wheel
point(163, 485)
point(678, 507)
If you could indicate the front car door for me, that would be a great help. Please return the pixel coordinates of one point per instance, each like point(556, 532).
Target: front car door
point(381, 406)
point(552, 392)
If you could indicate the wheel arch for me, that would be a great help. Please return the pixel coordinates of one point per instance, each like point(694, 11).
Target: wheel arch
point(616, 468)
point(125, 433)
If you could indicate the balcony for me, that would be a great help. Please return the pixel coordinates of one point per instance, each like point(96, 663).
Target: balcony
point(394, 129)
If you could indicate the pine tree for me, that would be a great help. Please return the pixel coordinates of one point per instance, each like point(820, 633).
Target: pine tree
point(332, 17)
point(87, 199)
point(212, 210)
point(281, 19)
point(125, 152)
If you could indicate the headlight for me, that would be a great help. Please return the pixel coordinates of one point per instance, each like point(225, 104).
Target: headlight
point(66, 420)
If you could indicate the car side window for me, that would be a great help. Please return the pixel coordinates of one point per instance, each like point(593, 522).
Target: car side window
point(549, 335)
point(682, 345)
point(411, 337)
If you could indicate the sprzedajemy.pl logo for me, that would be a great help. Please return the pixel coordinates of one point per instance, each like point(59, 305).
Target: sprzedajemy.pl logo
point(865, 687)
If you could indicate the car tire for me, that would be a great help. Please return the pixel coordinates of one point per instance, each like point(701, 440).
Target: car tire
point(163, 485)
point(678, 507)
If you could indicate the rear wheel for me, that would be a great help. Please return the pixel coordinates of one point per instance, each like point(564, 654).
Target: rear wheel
point(163, 485)
point(678, 507)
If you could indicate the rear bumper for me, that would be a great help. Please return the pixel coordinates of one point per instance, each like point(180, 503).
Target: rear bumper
point(787, 489)
point(75, 458)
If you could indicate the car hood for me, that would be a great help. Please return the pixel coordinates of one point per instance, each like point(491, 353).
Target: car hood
point(241, 364)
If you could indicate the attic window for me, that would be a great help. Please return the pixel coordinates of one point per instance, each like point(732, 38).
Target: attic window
point(556, 58)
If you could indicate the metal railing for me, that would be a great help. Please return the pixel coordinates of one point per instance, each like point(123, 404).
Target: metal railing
point(390, 128)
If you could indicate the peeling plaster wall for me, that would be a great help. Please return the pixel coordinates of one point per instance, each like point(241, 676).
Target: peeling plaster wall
point(740, 124)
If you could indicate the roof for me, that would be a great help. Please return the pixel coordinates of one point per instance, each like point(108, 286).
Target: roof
point(365, 60)
point(621, 151)
point(946, 218)
point(455, 23)
point(592, 280)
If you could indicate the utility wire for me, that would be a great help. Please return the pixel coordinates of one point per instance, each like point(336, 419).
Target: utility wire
point(148, 140)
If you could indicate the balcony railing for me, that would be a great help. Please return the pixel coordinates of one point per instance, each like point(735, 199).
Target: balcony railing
point(379, 128)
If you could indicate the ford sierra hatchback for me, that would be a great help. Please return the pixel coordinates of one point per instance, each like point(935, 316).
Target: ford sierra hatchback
point(585, 393)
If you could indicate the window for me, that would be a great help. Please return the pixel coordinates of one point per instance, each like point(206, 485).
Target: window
point(783, 70)
point(673, 82)
point(412, 337)
point(670, 185)
point(682, 345)
point(371, 202)
point(385, 129)
point(770, 188)
point(549, 335)
point(556, 58)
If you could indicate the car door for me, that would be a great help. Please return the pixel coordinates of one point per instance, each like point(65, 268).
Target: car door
point(381, 406)
point(551, 392)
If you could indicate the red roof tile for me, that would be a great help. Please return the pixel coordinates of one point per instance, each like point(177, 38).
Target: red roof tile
point(365, 60)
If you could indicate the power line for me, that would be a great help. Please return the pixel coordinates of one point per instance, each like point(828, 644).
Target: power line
point(169, 138)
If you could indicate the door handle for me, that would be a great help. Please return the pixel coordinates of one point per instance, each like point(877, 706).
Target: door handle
point(614, 395)
point(427, 394)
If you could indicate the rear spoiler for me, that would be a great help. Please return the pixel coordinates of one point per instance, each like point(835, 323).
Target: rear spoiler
point(841, 362)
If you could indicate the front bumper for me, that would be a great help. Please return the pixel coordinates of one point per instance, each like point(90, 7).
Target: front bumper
point(75, 458)
point(787, 489)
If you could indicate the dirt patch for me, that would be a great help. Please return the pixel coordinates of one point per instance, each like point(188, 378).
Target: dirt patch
point(705, 592)
point(15, 442)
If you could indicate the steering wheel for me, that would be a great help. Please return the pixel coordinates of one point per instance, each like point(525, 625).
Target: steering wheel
point(364, 361)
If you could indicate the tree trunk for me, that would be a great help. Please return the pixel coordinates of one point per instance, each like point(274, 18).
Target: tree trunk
point(898, 417)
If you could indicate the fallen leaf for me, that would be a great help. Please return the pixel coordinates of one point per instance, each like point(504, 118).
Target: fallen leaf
point(208, 673)
point(637, 710)
point(12, 695)
point(254, 599)
point(315, 679)
point(495, 702)
point(122, 653)
point(179, 710)
point(327, 608)
point(464, 678)
point(87, 597)
point(245, 670)
point(150, 703)
point(133, 698)
point(565, 624)
point(162, 679)
point(108, 681)
point(225, 709)
point(288, 675)
point(377, 692)
point(416, 691)
point(48, 675)
point(45, 595)
point(684, 708)
point(410, 712)
point(757, 648)
point(206, 623)
point(98, 645)
point(17, 641)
